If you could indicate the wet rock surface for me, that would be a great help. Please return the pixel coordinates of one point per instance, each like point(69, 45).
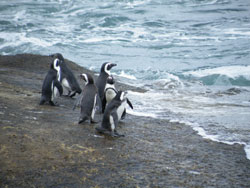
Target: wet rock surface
point(43, 146)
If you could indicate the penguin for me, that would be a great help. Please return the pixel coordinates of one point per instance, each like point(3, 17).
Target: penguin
point(101, 83)
point(110, 92)
point(51, 86)
point(88, 99)
point(112, 116)
point(68, 79)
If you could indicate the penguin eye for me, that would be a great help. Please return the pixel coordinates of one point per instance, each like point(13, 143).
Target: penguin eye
point(106, 67)
point(109, 66)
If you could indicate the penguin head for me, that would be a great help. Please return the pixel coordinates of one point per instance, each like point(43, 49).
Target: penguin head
point(106, 67)
point(56, 66)
point(87, 78)
point(121, 95)
point(58, 56)
point(110, 80)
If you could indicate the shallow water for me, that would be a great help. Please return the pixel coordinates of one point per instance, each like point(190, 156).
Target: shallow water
point(191, 56)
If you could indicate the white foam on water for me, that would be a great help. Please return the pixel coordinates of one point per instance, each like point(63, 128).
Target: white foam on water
point(95, 39)
point(125, 75)
point(135, 3)
point(102, 39)
point(20, 15)
point(192, 110)
point(141, 114)
point(136, 31)
point(216, 138)
point(17, 39)
point(143, 105)
point(168, 81)
point(148, 108)
point(229, 71)
point(238, 31)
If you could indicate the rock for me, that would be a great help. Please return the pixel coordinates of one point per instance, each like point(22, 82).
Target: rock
point(43, 146)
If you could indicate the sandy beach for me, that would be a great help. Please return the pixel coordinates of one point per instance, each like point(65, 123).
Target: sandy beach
point(44, 146)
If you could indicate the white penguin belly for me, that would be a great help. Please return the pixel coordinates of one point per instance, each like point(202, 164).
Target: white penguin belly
point(55, 91)
point(110, 94)
point(120, 110)
point(65, 84)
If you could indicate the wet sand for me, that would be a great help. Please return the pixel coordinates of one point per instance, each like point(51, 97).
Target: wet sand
point(43, 146)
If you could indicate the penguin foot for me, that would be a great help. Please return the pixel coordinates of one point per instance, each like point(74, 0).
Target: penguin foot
point(102, 130)
point(41, 102)
point(52, 103)
point(81, 121)
point(116, 134)
point(93, 121)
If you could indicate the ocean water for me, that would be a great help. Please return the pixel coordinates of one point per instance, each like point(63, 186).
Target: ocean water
point(192, 56)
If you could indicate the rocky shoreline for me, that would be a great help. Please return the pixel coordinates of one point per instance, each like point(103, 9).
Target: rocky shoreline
point(43, 146)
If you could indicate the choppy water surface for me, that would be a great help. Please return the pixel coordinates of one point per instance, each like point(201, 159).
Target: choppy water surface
point(192, 56)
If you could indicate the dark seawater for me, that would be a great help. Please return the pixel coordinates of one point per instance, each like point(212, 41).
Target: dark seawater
point(191, 55)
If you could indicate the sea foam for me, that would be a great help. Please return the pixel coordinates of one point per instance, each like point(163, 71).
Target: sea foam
point(216, 138)
point(126, 75)
point(229, 71)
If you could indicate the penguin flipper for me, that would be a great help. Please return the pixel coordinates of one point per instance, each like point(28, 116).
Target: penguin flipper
point(123, 114)
point(99, 104)
point(103, 104)
point(130, 104)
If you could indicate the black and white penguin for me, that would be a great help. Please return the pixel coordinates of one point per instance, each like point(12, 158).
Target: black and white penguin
point(51, 85)
point(110, 92)
point(101, 83)
point(112, 116)
point(68, 79)
point(88, 99)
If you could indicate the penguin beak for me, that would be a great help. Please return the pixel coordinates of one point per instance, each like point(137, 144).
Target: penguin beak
point(112, 65)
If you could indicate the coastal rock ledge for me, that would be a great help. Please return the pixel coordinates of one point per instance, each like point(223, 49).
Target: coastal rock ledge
point(43, 146)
